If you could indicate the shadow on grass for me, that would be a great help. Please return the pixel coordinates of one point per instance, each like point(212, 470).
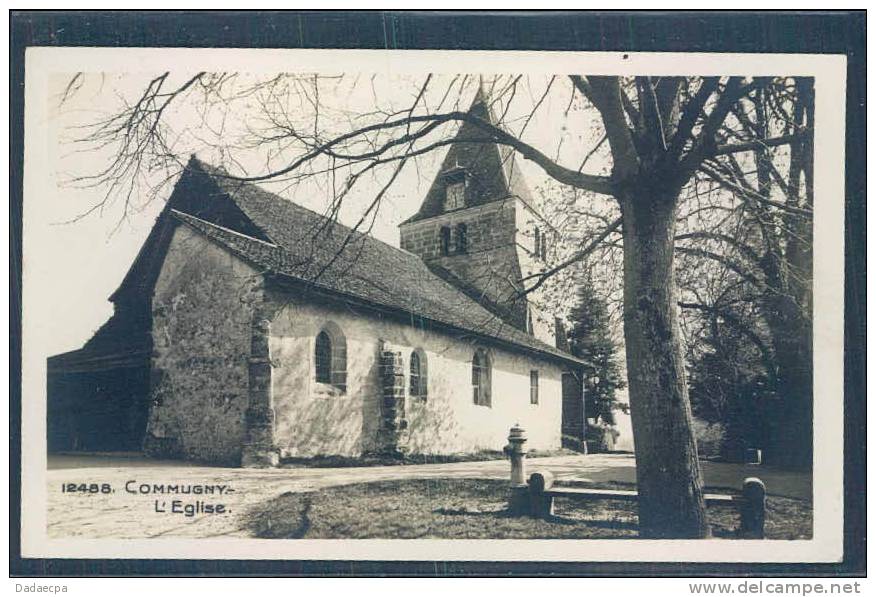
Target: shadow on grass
point(474, 509)
point(403, 459)
point(287, 517)
point(611, 525)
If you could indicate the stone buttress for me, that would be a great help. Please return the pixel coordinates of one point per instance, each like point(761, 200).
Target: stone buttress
point(259, 448)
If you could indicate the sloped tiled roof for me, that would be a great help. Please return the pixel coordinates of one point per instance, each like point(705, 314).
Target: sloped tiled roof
point(306, 246)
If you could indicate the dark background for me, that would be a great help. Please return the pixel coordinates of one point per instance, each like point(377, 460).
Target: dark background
point(841, 32)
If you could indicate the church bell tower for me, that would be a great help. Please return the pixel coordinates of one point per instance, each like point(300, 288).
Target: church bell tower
point(478, 229)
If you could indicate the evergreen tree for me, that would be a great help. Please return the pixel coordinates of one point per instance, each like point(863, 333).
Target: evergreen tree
point(731, 383)
point(590, 340)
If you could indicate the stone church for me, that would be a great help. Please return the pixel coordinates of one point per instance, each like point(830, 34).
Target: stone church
point(250, 329)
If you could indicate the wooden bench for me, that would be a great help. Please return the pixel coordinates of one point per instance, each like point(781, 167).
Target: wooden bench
point(751, 502)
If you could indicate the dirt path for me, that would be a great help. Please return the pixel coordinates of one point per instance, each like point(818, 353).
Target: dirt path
point(125, 504)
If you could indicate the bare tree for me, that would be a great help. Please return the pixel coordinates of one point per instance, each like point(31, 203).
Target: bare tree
point(763, 252)
point(657, 133)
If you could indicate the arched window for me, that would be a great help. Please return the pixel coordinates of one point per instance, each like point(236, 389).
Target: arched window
point(419, 379)
point(330, 357)
point(323, 356)
point(480, 377)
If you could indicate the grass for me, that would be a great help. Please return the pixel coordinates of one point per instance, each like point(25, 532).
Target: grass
point(476, 509)
point(403, 459)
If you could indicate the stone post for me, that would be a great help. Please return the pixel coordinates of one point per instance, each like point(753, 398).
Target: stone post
point(753, 510)
point(393, 421)
point(518, 502)
point(542, 505)
point(259, 449)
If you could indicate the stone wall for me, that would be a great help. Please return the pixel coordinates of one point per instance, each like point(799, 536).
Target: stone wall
point(500, 253)
point(203, 308)
point(490, 263)
point(312, 419)
point(541, 310)
point(489, 227)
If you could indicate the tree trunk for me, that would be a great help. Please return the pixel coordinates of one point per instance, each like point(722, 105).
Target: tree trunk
point(668, 475)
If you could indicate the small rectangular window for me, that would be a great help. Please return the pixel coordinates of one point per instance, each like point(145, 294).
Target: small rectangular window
point(533, 387)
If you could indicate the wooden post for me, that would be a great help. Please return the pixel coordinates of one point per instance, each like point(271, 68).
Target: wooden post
point(542, 506)
point(753, 508)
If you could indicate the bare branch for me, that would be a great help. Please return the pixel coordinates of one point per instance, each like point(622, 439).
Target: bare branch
point(691, 114)
point(750, 194)
point(605, 93)
point(729, 148)
point(766, 354)
point(597, 184)
point(745, 249)
point(653, 121)
point(578, 256)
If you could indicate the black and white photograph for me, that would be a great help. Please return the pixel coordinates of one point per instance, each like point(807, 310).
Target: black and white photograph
point(432, 305)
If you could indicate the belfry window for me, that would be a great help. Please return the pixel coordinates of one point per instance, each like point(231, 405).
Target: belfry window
point(454, 197)
point(445, 240)
point(461, 238)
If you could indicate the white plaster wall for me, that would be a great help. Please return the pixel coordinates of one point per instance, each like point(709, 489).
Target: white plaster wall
point(311, 420)
point(624, 425)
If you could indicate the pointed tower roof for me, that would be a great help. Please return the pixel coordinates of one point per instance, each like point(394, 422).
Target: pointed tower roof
point(491, 171)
